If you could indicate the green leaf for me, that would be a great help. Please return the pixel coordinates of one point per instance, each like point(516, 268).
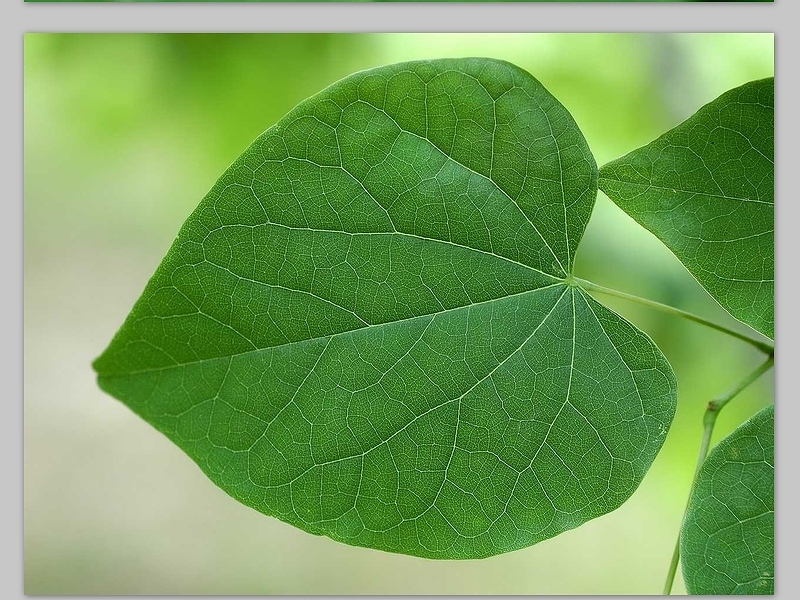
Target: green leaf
point(728, 539)
point(706, 189)
point(368, 329)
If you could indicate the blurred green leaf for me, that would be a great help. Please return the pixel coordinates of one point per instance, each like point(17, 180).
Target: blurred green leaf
point(368, 327)
point(706, 189)
point(728, 540)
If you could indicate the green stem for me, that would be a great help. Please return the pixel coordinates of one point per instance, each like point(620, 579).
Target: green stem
point(709, 420)
point(761, 345)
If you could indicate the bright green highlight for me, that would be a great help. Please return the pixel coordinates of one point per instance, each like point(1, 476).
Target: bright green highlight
point(706, 189)
point(727, 542)
point(369, 329)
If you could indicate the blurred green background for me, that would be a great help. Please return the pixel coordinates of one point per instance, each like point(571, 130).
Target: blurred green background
point(125, 133)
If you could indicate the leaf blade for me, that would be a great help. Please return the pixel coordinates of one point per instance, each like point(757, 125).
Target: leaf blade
point(727, 541)
point(706, 190)
point(371, 338)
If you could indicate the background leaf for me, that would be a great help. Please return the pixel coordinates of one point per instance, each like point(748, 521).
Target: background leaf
point(706, 189)
point(365, 328)
point(728, 540)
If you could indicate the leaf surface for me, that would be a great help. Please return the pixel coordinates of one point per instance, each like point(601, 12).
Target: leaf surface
point(368, 330)
point(728, 539)
point(706, 189)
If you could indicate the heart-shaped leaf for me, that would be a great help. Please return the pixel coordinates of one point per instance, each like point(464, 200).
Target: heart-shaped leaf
point(706, 189)
point(728, 539)
point(369, 330)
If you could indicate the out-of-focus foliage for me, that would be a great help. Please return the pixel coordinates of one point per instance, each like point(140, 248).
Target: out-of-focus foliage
point(123, 135)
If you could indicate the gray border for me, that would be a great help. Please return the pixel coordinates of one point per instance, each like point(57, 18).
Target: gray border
point(11, 322)
point(404, 17)
point(780, 18)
